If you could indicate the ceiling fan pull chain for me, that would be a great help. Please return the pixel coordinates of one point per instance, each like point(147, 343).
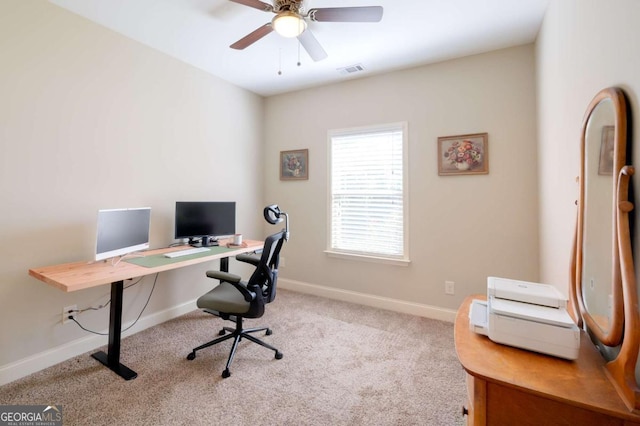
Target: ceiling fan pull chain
point(279, 61)
point(298, 52)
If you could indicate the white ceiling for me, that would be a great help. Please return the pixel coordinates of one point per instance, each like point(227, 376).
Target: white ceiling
point(411, 33)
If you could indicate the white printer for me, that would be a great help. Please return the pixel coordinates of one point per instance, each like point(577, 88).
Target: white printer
point(526, 315)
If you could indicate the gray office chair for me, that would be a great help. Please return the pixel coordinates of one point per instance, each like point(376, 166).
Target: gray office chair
point(235, 299)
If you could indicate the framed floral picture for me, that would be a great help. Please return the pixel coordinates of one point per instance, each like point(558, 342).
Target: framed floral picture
point(463, 154)
point(294, 165)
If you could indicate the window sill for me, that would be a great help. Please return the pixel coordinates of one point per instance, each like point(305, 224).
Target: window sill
point(368, 258)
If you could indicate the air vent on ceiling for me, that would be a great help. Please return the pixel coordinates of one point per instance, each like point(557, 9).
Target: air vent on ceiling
point(351, 69)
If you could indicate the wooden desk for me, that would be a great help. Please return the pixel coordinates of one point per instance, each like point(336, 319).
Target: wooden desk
point(80, 275)
point(508, 386)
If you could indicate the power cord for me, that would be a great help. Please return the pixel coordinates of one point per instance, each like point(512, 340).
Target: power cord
point(99, 307)
point(72, 318)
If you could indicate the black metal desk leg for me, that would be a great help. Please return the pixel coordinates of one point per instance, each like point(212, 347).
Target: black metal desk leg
point(112, 358)
point(224, 264)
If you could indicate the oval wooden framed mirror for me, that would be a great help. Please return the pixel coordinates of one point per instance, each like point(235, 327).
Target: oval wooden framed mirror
point(603, 154)
point(603, 274)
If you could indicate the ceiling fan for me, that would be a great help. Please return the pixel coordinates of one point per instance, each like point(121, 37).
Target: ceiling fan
point(290, 21)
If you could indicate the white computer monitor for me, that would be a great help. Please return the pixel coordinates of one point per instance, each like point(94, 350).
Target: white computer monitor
point(122, 231)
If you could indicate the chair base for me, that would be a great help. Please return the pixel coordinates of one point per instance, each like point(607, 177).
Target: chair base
point(237, 334)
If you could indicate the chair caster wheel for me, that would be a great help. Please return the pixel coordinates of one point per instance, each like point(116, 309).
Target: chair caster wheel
point(278, 355)
point(191, 356)
point(221, 332)
point(268, 332)
point(226, 373)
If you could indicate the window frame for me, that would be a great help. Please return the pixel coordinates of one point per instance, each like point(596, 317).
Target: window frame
point(401, 260)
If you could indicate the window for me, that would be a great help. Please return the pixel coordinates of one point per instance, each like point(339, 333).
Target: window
point(368, 193)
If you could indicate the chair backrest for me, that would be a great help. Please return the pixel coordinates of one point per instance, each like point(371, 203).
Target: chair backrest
point(264, 279)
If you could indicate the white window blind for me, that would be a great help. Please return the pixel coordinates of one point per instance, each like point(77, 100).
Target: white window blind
point(367, 192)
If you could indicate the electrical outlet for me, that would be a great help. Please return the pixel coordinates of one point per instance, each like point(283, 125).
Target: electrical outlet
point(449, 287)
point(69, 310)
point(283, 263)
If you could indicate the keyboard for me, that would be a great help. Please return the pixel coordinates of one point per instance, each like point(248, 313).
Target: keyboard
point(186, 252)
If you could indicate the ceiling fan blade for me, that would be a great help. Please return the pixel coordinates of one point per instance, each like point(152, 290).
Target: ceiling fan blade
point(256, 4)
point(312, 46)
point(346, 14)
point(252, 37)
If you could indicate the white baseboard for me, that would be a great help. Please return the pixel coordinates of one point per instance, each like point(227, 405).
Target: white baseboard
point(42, 360)
point(395, 305)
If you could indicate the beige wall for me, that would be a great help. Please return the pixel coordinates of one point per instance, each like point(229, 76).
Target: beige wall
point(462, 228)
point(89, 120)
point(583, 47)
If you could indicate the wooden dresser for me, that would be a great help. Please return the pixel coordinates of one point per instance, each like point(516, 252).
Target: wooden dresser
point(510, 386)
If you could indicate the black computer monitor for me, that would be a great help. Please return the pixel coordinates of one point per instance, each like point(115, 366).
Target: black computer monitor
point(122, 231)
point(205, 221)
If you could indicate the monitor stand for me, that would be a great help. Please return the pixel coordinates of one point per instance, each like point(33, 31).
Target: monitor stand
point(203, 242)
point(209, 242)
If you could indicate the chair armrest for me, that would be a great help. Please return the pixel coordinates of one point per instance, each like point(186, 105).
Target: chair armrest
point(234, 280)
point(224, 276)
point(253, 259)
point(246, 293)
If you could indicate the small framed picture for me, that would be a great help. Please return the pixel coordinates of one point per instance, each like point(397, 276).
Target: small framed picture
point(294, 165)
point(605, 166)
point(463, 154)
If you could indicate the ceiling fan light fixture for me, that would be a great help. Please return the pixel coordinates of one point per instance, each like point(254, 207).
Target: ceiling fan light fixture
point(289, 24)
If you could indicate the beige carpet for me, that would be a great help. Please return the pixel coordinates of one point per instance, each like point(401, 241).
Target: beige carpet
point(343, 364)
